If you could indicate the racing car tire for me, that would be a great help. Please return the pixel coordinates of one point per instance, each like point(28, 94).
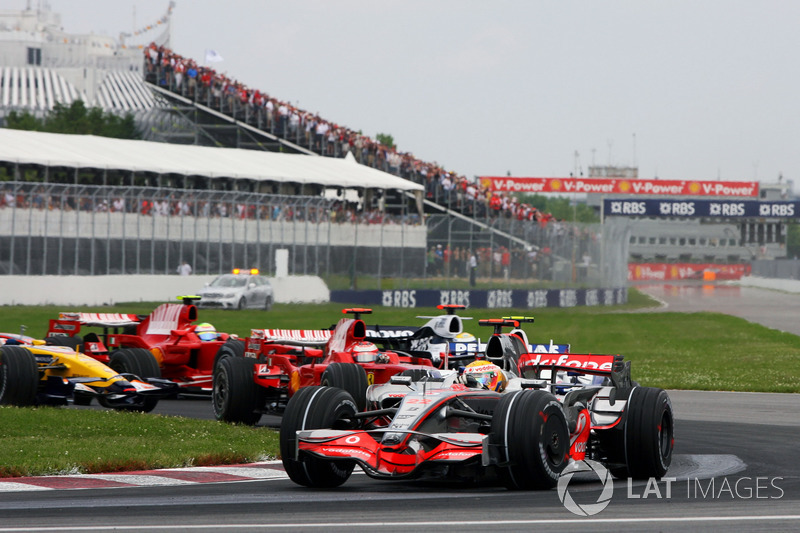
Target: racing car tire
point(230, 348)
point(529, 430)
point(19, 376)
point(649, 433)
point(141, 363)
point(350, 377)
point(315, 408)
point(60, 340)
point(137, 361)
point(236, 398)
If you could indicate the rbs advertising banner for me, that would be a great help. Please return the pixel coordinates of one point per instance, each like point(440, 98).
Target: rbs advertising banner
point(701, 208)
point(484, 299)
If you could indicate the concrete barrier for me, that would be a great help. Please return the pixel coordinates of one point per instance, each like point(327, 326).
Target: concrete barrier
point(786, 285)
point(109, 290)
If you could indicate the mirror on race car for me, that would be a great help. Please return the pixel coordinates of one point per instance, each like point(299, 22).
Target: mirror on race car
point(400, 380)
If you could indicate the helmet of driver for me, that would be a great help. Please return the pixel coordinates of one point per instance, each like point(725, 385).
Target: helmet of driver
point(206, 332)
point(487, 375)
point(365, 352)
point(465, 337)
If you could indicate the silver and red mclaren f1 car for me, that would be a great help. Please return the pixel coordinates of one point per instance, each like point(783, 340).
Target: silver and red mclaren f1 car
point(522, 429)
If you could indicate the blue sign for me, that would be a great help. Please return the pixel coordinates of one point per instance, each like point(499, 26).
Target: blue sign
point(483, 299)
point(701, 208)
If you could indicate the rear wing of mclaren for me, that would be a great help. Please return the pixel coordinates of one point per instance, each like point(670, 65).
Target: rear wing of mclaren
point(614, 367)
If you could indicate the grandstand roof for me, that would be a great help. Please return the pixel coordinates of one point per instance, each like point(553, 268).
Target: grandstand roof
point(38, 88)
point(88, 151)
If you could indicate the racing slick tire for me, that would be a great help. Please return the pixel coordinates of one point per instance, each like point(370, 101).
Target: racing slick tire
point(230, 348)
point(350, 377)
point(140, 363)
point(19, 376)
point(61, 340)
point(315, 408)
point(649, 434)
point(529, 432)
point(236, 398)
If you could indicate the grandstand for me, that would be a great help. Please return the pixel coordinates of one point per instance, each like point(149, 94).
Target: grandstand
point(173, 105)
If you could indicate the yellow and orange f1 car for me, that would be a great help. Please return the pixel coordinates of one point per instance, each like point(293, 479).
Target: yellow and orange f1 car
point(32, 373)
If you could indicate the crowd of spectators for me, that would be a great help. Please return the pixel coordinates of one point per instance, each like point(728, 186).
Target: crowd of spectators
point(488, 262)
point(331, 210)
point(285, 120)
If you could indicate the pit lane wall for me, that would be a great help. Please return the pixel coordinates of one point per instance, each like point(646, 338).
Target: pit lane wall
point(484, 299)
point(109, 290)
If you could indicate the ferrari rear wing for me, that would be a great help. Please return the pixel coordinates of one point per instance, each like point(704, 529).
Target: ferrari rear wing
point(299, 337)
point(317, 337)
point(69, 324)
point(109, 320)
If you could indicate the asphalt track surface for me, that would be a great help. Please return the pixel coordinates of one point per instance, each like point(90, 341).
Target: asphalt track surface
point(735, 468)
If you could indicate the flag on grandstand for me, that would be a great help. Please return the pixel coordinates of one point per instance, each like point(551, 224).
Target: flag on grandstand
point(212, 56)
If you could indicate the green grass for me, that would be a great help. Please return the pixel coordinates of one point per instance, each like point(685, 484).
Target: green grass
point(700, 351)
point(49, 440)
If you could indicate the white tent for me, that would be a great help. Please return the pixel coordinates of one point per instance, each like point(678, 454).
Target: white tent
point(88, 151)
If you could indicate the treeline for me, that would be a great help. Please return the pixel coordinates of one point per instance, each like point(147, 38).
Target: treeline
point(561, 208)
point(78, 119)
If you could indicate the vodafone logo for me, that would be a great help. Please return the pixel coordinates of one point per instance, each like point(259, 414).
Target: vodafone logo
point(595, 362)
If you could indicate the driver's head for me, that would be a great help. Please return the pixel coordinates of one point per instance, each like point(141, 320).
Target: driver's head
point(206, 332)
point(365, 352)
point(486, 375)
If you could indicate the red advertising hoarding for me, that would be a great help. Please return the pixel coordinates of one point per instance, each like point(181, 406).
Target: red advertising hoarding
point(677, 271)
point(621, 186)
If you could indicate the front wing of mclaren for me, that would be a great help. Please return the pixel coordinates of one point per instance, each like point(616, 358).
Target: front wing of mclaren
point(379, 460)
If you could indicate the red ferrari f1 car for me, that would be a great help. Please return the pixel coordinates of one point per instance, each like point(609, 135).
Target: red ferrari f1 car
point(278, 363)
point(166, 343)
point(484, 422)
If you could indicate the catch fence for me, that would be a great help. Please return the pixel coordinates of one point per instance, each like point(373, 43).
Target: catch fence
point(71, 229)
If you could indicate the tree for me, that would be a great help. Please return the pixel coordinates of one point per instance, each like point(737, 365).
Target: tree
point(792, 239)
point(23, 121)
point(561, 207)
point(386, 140)
point(77, 119)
